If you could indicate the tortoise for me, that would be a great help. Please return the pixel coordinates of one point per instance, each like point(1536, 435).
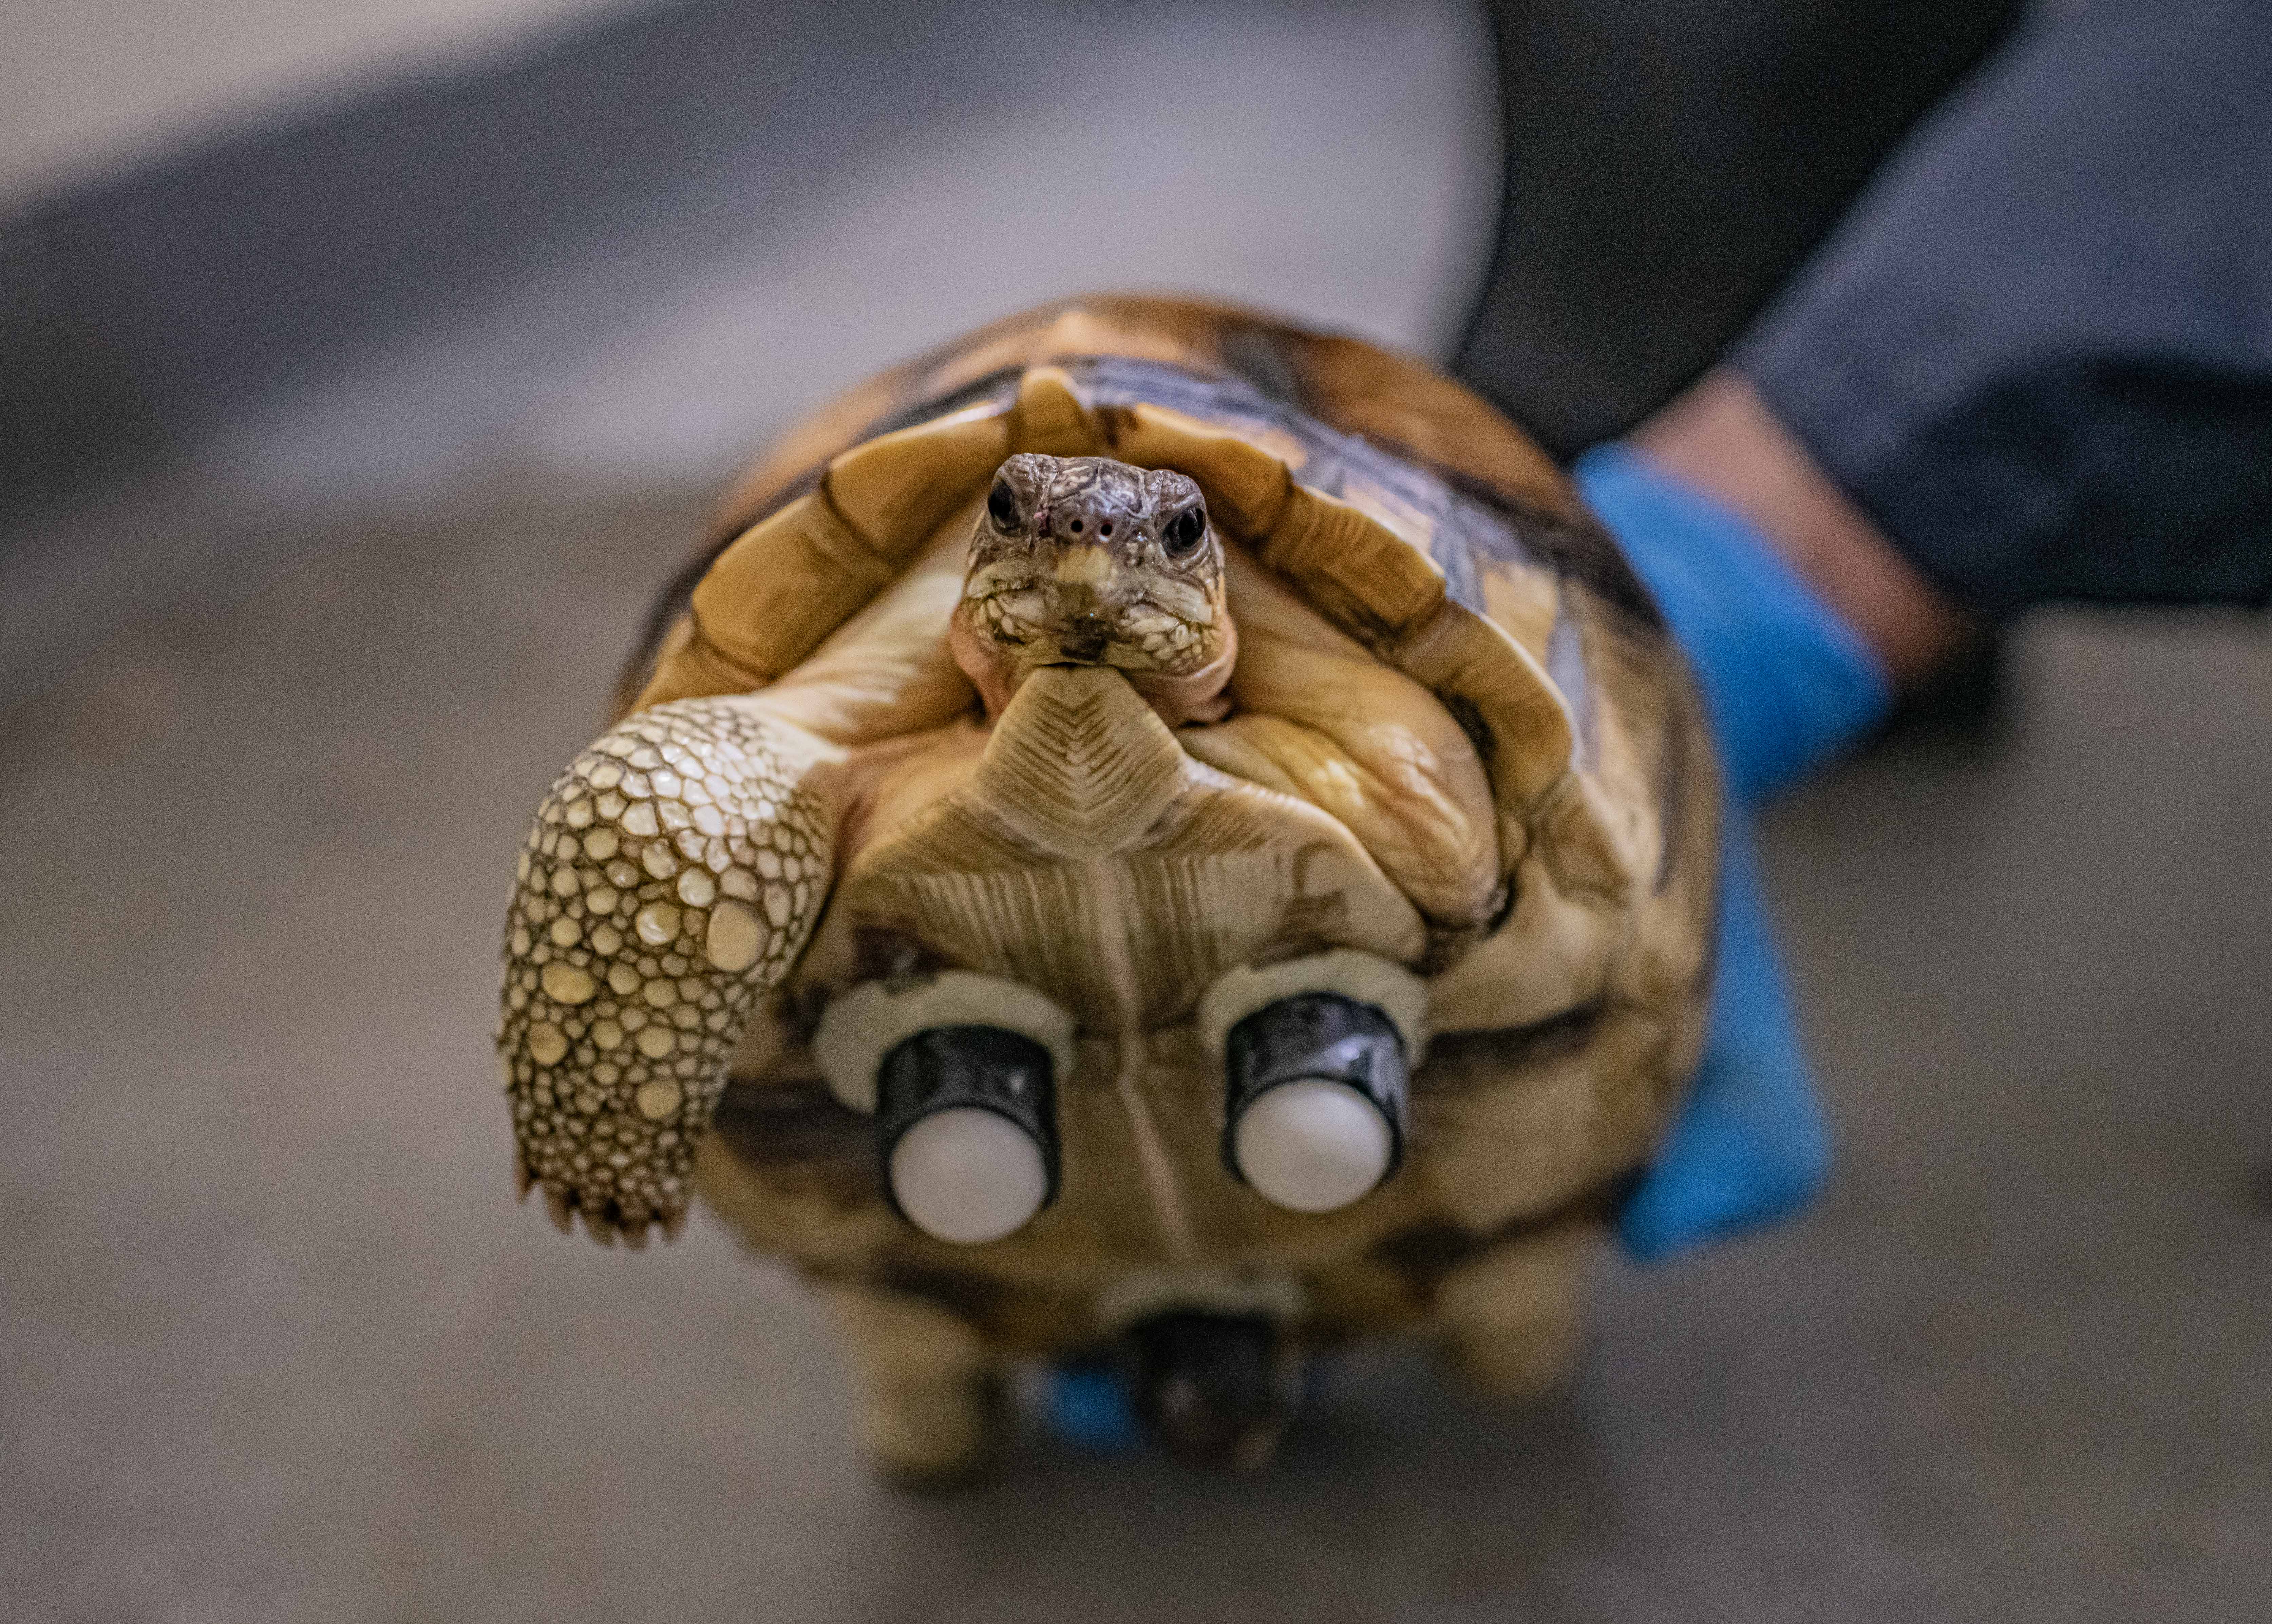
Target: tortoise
point(1146, 834)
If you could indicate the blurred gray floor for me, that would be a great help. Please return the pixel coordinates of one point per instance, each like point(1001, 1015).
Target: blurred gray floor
point(276, 1343)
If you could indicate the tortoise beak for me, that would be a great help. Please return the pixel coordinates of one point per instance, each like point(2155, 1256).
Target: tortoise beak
point(1085, 636)
point(1085, 564)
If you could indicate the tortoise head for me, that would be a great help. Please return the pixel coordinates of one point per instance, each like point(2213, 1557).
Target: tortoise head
point(1083, 560)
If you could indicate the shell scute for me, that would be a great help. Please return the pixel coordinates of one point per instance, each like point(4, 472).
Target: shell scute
point(1529, 740)
point(900, 486)
point(1246, 484)
point(785, 583)
point(1372, 583)
point(1051, 418)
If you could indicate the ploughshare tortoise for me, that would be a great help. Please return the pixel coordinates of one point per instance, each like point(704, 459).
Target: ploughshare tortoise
point(1149, 833)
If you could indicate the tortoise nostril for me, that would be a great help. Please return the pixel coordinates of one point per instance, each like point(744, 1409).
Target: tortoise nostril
point(1105, 529)
point(1075, 526)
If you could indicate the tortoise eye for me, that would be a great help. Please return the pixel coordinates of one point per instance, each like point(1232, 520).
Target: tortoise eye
point(1184, 531)
point(1002, 505)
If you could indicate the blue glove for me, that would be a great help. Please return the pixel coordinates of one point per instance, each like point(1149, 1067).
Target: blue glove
point(1089, 1406)
point(1788, 686)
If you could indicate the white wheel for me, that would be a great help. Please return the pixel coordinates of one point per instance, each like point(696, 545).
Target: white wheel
point(967, 1175)
point(1312, 1145)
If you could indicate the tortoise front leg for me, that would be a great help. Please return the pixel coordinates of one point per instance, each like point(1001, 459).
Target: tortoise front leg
point(671, 877)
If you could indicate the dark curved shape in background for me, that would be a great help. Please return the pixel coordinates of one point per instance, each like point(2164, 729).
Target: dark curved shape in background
point(1669, 164)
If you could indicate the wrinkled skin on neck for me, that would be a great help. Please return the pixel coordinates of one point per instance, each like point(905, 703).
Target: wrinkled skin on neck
point(1083, 560)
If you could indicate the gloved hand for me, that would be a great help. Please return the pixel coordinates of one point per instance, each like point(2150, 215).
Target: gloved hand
point(1788, 686)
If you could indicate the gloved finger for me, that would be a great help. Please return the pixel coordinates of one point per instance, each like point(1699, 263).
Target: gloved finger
point(1750, 1144)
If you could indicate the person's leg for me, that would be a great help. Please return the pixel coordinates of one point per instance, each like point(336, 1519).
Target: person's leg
point(1667, 166)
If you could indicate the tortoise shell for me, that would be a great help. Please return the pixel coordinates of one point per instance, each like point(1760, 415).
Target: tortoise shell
point(1563, 983)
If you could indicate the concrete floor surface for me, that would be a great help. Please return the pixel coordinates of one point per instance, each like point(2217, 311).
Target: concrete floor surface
point(277, 1344)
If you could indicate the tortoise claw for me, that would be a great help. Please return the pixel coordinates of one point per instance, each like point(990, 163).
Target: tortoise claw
point(608, 1223)
point(522, 1181)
